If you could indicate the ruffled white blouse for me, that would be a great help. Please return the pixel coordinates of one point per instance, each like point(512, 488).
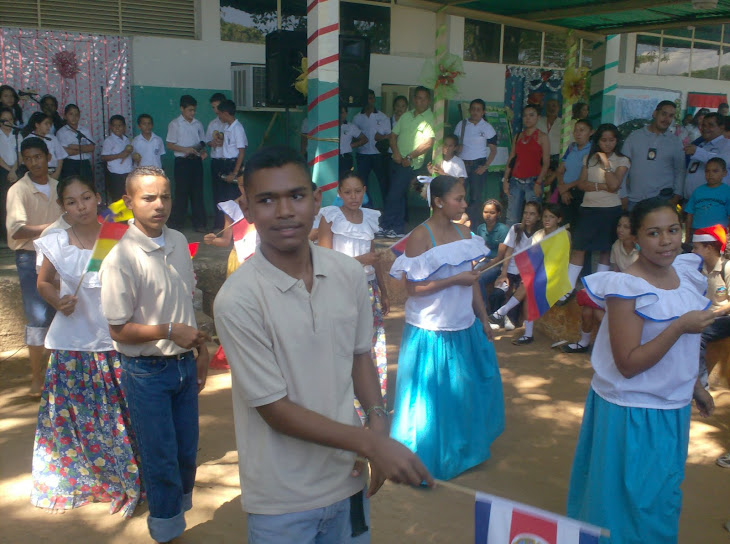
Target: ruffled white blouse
point(353, 239)
point(86, 329)
point(669, 383)
point(448, 309)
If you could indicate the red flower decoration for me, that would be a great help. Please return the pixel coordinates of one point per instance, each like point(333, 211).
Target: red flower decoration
point(95, 448)
point(65, 440)
point(66, 64)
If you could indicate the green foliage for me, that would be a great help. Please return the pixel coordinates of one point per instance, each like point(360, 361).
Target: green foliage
point(232, 32)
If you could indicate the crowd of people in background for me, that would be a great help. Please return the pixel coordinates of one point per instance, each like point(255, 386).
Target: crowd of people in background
point(652, 212)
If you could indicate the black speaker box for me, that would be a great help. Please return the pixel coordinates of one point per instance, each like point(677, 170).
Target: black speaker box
point(354, 70)
point(284, 52)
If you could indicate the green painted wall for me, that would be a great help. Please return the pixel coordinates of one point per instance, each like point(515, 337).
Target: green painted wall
point(162, 103)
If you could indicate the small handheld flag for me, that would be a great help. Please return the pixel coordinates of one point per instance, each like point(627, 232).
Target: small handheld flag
point(193, 249)
point(120, 211)
point(544, 271)
point(244, 239)
point(109, 235)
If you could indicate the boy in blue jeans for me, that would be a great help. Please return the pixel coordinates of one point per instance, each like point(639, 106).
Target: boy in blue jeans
point(147, 287)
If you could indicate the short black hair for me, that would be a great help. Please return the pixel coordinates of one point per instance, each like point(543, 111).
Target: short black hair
point(452, 137)
point(479, 102)
point(70, 107)
point(33, 143)
point(586, 122)
point(227, 106)
point(719, 161)
point(422, 89)
point(186, 100)
point(65, 182)
point(3, 109)
point(144, 116)
point(400, 97)
point(719, 119)
point(117, 117)
point(577, 107)
point(217, 97)
point(275, 156)
point(50, 97)
point(723, 105)
point(663, 103)
point(371, 92)
point(531, 106)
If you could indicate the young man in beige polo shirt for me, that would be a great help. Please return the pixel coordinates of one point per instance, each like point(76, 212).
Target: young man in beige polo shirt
point(296, 324)
point(31, 207)
point(147, 287)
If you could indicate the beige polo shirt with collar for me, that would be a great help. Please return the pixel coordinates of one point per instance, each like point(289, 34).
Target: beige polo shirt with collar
point(27, 205)
point(717, 286)
point(281, 340)
point(143, 282)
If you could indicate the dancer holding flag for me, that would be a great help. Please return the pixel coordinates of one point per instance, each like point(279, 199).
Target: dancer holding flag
point(83, 449)
point(632, 447)
point(449, 405)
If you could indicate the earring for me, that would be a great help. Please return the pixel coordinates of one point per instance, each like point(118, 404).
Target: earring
point(440, 205)
point(638, 247)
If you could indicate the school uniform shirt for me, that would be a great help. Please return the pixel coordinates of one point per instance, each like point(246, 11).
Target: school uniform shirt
point(265, 318)
point(348, 132)
point(234, 138)
point(220, 126)
point(573, 161)
point(370, 125)
point(709, 206)
point(150, 150)
point(454, 167)
point(113, 145)
point(67, 136)
point(145, 282)
point(596, 174)
point(719, 147)
point(185, 134)
point(58, 153)
point(524, 242)
point(476, 140)
point(553, 132)
point(493, 237)
point(657, 162)
point(621, 258)
point(28, 205)
point(717, 282)
point(8, 149)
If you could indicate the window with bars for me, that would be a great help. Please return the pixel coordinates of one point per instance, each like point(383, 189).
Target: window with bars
point(171, 18)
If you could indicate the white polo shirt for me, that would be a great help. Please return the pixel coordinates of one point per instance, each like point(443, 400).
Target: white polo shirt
point(375, 123)
point(474, 143)
point(67, 136)
point(185, 134)
point(8, 149)
point(348, 132)
point(150, 150)
point(454, 167)
point(234, 138)
point(58, 153)
point(220, 126)
point(114, 145)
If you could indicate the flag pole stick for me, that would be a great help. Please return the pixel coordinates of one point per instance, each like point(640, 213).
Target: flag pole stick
point(480, 270)
point(76, 292)
point(217, 234)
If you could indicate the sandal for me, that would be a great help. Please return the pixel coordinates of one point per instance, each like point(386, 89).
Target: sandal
point(523, 340)
point(723, 461)
point(577, 349)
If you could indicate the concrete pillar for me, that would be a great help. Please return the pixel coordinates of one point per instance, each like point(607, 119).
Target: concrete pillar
point(604, 78)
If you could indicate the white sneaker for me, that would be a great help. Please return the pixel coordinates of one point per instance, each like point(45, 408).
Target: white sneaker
point(508, 325)
point(494, 326)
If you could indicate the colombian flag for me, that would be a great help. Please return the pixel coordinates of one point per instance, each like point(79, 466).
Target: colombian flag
point(109, 235)
point(544, 271)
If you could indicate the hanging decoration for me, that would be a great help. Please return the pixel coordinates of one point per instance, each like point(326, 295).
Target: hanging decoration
point(66, 64)
point(536, 79)
point(300, 83)
point(575, 84)
point(443, 76)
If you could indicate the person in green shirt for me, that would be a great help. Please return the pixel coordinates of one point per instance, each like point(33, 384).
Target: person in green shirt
point(411, 138)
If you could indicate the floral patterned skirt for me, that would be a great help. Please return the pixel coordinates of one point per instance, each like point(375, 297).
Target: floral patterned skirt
point(84, 446)
point(380, 359)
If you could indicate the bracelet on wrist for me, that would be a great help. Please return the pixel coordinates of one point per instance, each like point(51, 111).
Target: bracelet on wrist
point(378, 410)
point(169, 330)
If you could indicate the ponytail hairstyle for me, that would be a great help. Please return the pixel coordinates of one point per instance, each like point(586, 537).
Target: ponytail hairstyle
point(347, 175)
point(440, 186)
point(36, 119)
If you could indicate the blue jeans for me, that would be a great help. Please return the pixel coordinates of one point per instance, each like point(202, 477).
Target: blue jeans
point(488, 278)
point(719, 329)
point(328, 525)
point(373, 163)
point(38, 313)
point(394, 216)
point(519, 194)
point(162, 395)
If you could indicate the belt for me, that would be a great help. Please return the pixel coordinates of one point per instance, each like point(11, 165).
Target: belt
point(162, 358)
point(469, 162)
point(525, 180)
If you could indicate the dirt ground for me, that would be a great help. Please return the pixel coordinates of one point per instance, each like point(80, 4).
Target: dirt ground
point(544, 395)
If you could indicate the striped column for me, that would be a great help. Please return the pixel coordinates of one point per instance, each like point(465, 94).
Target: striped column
point(439, 104)
point(604, 79)
point(323, 31)
point(566, 126)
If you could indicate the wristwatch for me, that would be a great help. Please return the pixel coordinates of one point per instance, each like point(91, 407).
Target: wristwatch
point(609, 169)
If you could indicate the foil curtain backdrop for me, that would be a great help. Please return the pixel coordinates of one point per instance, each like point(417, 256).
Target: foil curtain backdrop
point(27, 62)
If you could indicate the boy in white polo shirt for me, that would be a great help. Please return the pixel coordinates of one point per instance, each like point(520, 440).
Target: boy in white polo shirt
point(116, 152)
point(147, 283)
point(186, 137)
point(296, 324)
point(148, 146)
point(232, 153)
point(214, 139)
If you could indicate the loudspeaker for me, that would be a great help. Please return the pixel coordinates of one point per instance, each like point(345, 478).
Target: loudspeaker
point(284, 52)
point(354, 70)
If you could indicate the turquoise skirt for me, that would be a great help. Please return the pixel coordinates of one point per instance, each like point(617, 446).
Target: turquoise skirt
point(627, 471)
point(449, 405)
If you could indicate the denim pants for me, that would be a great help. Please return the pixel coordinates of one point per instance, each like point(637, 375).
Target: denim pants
point(719, 329)
point(162, 395)
point(519, 194)
point(488, 278)
point(38, 313)
point(373, 163)
point(394, 216)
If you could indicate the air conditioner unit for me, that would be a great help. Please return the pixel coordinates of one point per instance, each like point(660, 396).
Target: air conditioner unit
point(248, 82)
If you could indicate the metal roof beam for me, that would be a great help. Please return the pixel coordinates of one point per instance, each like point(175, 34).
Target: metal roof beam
point(496, 18)
point(596, 9)
point(683, 23)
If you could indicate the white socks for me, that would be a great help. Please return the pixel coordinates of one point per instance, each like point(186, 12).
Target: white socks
point(511, 303)
point(573, 273)
point(601, 268)
point(528, 328)
point(585, 338)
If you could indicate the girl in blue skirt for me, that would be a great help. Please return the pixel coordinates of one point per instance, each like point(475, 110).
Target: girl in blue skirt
point(449, 406)
point(629, 461)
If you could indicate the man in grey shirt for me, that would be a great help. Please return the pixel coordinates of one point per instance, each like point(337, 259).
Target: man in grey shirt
point(657, 159)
